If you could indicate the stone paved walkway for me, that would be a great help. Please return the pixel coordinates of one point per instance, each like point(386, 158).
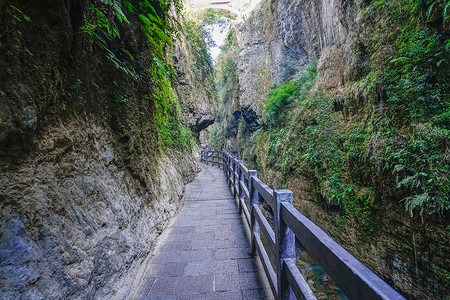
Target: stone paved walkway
point(206, 253)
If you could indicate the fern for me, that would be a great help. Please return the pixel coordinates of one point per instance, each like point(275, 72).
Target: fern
point(159, 28)
point(446, 11)
point(117, 6)
point(416, 201)
point(430, 10)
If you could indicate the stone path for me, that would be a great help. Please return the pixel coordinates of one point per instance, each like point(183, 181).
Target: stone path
point(206, 253)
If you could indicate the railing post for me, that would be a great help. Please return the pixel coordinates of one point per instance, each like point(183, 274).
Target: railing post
point(234, 177)
point(231, 170)
point(285, 243)
point(241, 178)
point(228, 169)
point(226, 165)
point(254, 200)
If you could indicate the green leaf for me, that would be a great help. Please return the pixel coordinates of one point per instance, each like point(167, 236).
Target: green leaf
point(400, 59)
point(415, 201)
point(429, 10)
point(398, 168)
point(128, 53)
point(446, 11)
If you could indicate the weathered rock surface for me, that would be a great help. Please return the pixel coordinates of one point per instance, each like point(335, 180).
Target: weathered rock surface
point(277, 41)
point(75, 222)
point(84, 187)
point(195, 87)
point(280, 38)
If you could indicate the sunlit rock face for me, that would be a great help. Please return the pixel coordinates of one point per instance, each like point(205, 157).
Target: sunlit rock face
point(198, 102)
point(279, 38)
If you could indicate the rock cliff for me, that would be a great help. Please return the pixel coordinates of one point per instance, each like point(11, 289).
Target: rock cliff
point(88, 178)
point(330, 144)
point(195, 83)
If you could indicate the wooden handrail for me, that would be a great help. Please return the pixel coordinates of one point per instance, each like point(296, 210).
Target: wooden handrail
point(286, 282)
point(210, 156)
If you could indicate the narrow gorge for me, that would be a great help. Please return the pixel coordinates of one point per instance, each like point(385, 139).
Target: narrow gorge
point(105, 105)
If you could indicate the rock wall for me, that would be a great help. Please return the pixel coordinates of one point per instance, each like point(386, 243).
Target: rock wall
point(86, 185)
point(228, 89)
point(280, 38)
point(195, 86)
point(76, 223)
point(275, 43)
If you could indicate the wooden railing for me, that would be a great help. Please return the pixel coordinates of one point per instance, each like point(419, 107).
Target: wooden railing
point(210, 156)
point(277, 253)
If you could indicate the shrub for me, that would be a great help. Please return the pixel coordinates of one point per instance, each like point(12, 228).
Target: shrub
point(280, 97)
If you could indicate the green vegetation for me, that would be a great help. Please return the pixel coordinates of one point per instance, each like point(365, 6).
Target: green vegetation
point(168, 119)
point(227, 87)
point(200, 42)
point(106, 20)
point(18, 15)
point(415, 80)
point(305, 136)
point(283, 95)
point(226, 67)
point(102, 23)
point(394, 145)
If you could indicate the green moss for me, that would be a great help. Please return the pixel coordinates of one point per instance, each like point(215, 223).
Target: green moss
point(280, 97)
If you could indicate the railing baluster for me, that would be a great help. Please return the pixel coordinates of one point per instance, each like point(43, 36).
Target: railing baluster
point(234, 176)
point(285, 243)
point(254, 200)
point(230, 170)
point(241, 179)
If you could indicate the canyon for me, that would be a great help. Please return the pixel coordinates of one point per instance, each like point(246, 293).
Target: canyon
point(105, 104)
